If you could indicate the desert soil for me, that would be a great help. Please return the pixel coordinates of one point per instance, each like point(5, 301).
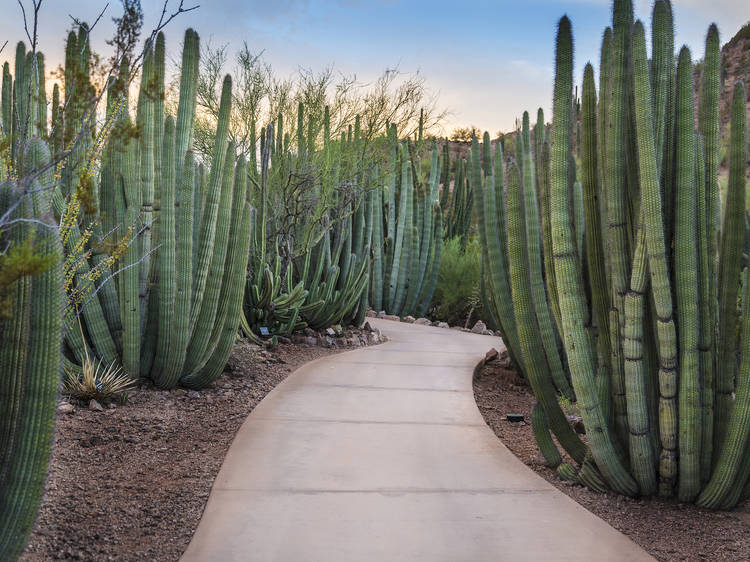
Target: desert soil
point(666, 529)
point(130, 482)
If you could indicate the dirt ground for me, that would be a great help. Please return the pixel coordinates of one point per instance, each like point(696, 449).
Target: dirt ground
point(666, 529)
point(130, 483)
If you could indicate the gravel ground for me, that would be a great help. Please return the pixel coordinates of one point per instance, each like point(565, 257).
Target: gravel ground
point(130, 483)
point(666, 529)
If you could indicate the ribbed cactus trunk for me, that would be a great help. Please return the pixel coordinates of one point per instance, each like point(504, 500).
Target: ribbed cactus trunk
point(573, 307)
point(732, 424)
point(30, 358)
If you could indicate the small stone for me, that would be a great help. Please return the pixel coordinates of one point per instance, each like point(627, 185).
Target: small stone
point(491, 355)
point(331, 332)
point(193, 394)
point(488, 333)
point(65, 408)
point(95, 406)
point(479, 327)
point(311, 341)
point(370, 313)
point(380, 314)
point(443, 325)
point(392, 317)
point(373, 338)
point(310, 333)
point(285, 340)
point(408, 319)
point(329, 341)
point(179, 392)
point(422, 322)
point(367, 327)
point(111, 406)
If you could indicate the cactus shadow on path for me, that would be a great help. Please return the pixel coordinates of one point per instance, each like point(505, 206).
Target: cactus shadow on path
point(382, 454)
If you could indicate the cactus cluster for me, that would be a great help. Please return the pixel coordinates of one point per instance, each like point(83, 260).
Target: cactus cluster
point(321, 278)
point(456, 198)
point(617, 259)
point(167, 309)
point(407, 231)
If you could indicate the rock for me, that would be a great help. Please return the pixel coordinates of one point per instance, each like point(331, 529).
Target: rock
point(370, 313)
point(479, 327)
point(331, 332)
point(329, 341)
point(443, 325)
point(193, 394)
point(285, 340)
point(422, 322)
point(367, 327)
point(95, 406)
point(373, 338)
point(392, 317)
point(408, 319)
point(491, 355)
point(310, 333)
point(488, 333)
point(65, 408)
point(298, 338)
point(311, 341)
point(111, 406)
point(380, 314)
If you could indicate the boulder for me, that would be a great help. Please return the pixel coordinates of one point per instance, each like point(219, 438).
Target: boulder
point(408, 319)
point(479, 327)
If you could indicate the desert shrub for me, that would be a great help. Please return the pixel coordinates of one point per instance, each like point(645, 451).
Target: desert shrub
point(456, 298)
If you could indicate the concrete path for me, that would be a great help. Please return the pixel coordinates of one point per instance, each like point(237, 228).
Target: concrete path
point(381, 454)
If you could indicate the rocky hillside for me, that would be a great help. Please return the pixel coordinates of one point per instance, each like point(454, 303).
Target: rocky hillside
point(735, 65)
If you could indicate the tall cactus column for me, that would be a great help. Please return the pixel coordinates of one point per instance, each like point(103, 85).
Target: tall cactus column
point(573, 306)
point(30, 358)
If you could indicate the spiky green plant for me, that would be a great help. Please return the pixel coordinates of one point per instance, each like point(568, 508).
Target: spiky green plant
point(653, 325)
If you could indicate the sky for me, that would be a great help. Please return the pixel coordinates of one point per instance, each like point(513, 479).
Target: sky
point(487, 61)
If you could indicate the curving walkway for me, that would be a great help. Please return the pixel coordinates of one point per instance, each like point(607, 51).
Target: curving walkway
point(381, 454)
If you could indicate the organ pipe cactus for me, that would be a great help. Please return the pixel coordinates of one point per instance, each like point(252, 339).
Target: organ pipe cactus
point(30, 358)
point(650, 320)
point(406, 234)
point(169, 313)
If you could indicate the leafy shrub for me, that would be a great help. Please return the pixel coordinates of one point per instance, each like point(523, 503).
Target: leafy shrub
point(456, 299)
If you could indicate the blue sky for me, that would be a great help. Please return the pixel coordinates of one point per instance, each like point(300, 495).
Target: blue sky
point(488, 61)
